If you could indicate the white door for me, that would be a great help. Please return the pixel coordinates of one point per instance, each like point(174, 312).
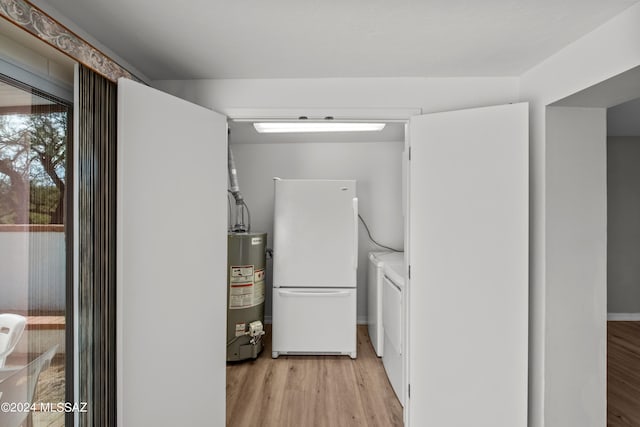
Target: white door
point(171, 260)
point(468, 257)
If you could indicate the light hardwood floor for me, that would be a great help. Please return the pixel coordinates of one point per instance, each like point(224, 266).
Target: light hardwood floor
point(310, 391)
point(623, 374)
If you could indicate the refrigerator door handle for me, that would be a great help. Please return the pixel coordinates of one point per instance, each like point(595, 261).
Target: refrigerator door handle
point(354, 202)
point(312, 293)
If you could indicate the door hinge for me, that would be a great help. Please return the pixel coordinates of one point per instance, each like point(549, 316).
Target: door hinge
point(409, 272)
point(409, 391)
point(409, 153)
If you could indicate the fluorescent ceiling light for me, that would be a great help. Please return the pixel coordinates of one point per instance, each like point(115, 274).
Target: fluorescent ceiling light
point(304, 126)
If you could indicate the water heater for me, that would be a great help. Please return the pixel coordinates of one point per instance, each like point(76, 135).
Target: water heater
point(245, 294)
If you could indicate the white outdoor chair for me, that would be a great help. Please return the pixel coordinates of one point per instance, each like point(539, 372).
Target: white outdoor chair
point(19, 389)
point(11, 328)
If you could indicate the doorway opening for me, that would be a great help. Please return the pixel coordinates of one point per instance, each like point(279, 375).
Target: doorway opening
point(586, 210)
point(623, 271)
point(304, 388)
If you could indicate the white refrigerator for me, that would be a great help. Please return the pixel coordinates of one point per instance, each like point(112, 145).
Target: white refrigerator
point(315, 258)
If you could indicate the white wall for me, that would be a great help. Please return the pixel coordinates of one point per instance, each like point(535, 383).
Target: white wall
point(575, 385)
point(611, 49)
point(623, 230)
point(430, 94)
point(624, 119)
point(377, 167)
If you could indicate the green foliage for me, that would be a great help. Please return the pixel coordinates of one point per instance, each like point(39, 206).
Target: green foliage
point(7, 213)
point(39, 218)
point(43, 203)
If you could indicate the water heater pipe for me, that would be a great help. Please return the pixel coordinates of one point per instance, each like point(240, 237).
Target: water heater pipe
point(234, 189)
point(233, 178)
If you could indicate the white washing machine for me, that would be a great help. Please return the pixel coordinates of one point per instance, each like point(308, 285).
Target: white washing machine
point(393, 322)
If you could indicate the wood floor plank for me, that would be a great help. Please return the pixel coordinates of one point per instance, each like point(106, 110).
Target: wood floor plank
point(370, 377)
point(270, 408)
point(313, 391)
point(623, 374)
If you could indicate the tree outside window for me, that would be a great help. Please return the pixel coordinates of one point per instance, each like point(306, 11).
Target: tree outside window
point(32, 164)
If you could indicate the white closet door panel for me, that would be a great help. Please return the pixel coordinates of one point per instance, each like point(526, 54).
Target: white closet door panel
point(468, 254)
point(172, 251)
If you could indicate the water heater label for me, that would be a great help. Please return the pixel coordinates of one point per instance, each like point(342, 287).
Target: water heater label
point(240, 327)
point(246, 286)
point(256, 240)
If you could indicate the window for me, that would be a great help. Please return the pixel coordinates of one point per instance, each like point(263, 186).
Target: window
point(35, 209)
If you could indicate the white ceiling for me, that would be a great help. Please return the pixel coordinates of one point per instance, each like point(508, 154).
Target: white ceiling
point(333, 38)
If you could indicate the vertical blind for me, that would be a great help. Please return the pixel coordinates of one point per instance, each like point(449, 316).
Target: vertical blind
point(97, 247)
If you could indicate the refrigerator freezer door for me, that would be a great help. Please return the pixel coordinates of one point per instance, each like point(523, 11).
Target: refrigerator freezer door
point(315, 233)
point(314, 321)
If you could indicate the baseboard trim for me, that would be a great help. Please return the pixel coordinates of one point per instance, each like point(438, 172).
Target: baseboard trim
point(624, 317)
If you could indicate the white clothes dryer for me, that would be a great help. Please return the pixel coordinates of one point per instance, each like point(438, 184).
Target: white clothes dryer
point(375, 276)
point(393, 322)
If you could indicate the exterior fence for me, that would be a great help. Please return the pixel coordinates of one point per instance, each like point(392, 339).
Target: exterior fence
point(32, 268)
